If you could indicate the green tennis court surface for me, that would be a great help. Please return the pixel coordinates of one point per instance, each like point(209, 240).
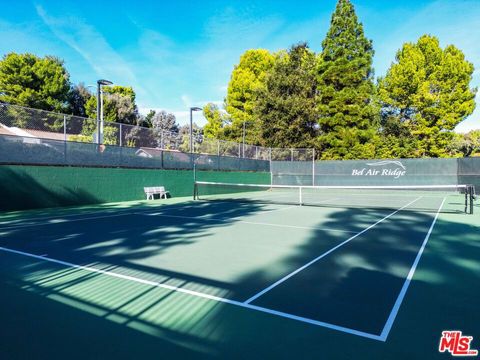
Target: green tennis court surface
point(244, 279)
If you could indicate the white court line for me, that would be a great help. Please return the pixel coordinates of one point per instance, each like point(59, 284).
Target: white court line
point(279, 209)
point(247, 222)
point(152, 212)
point(39, 218)
point(120, 212)
point(197, 294)
point(398, 302)
point(286, 277)
point(63, 222)
point(123, 212)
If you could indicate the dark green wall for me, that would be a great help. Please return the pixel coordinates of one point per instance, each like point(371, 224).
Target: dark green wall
point(28, 187)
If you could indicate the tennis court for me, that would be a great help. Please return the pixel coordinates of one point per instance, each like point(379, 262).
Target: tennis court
point(260, 275)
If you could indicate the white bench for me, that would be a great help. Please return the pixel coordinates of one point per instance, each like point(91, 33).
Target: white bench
point(151, 191)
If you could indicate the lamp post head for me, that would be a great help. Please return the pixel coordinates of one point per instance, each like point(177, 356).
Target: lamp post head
point(196, 108)
point(104, 82)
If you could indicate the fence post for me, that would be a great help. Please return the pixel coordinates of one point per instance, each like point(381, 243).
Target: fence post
point(291, 156)
point(64, 128)
point(218, 147)
point(120, 160)
point(65, 139)
point(121, 134)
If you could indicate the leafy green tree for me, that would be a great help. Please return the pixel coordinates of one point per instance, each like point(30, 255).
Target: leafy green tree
point(247, 78)
point(117, 108)
point(146, 120)
point(138, 136)
point(346, 89)
point(216, 121)
point(121, 90)
point(184, 135)
point(31, 81)
point(77, 99)
point(118, 105)
point(466, 144)
point(285, 106)
point(425, 95)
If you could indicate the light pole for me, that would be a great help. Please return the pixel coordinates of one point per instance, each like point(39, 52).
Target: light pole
point(192, 109)
point(100, 83)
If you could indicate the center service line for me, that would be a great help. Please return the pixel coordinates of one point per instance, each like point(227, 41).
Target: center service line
point(256, 296)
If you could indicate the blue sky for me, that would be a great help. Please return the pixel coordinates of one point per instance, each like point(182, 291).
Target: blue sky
point(178, 54)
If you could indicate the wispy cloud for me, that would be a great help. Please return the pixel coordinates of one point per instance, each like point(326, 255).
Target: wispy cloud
point(174, 66)
point(25, 37)
point(90, 45)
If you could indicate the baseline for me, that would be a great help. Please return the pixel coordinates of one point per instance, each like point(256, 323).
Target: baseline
point(197, 294)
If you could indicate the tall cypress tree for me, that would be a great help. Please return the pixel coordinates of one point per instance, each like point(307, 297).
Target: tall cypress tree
point(346, 89)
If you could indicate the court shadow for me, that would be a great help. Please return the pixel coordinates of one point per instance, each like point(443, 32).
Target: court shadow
point(354, 286)
point(136, 241)
point(357, 285)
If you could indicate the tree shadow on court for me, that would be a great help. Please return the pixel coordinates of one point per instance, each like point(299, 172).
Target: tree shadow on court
point(134, 241)
point(357, 285)
point(354, 286)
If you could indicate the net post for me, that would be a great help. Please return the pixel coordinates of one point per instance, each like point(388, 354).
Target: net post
point(270, 161)
point(194, 171)
point(300, 196)
point(472, 197)
point(195, 187)
point(313, 167)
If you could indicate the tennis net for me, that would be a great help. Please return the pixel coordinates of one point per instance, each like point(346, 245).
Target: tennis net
point(444, 198)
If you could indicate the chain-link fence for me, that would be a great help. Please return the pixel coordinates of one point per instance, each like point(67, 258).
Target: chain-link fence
point(34, 151)
point(34, 123)
point(293, 154)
